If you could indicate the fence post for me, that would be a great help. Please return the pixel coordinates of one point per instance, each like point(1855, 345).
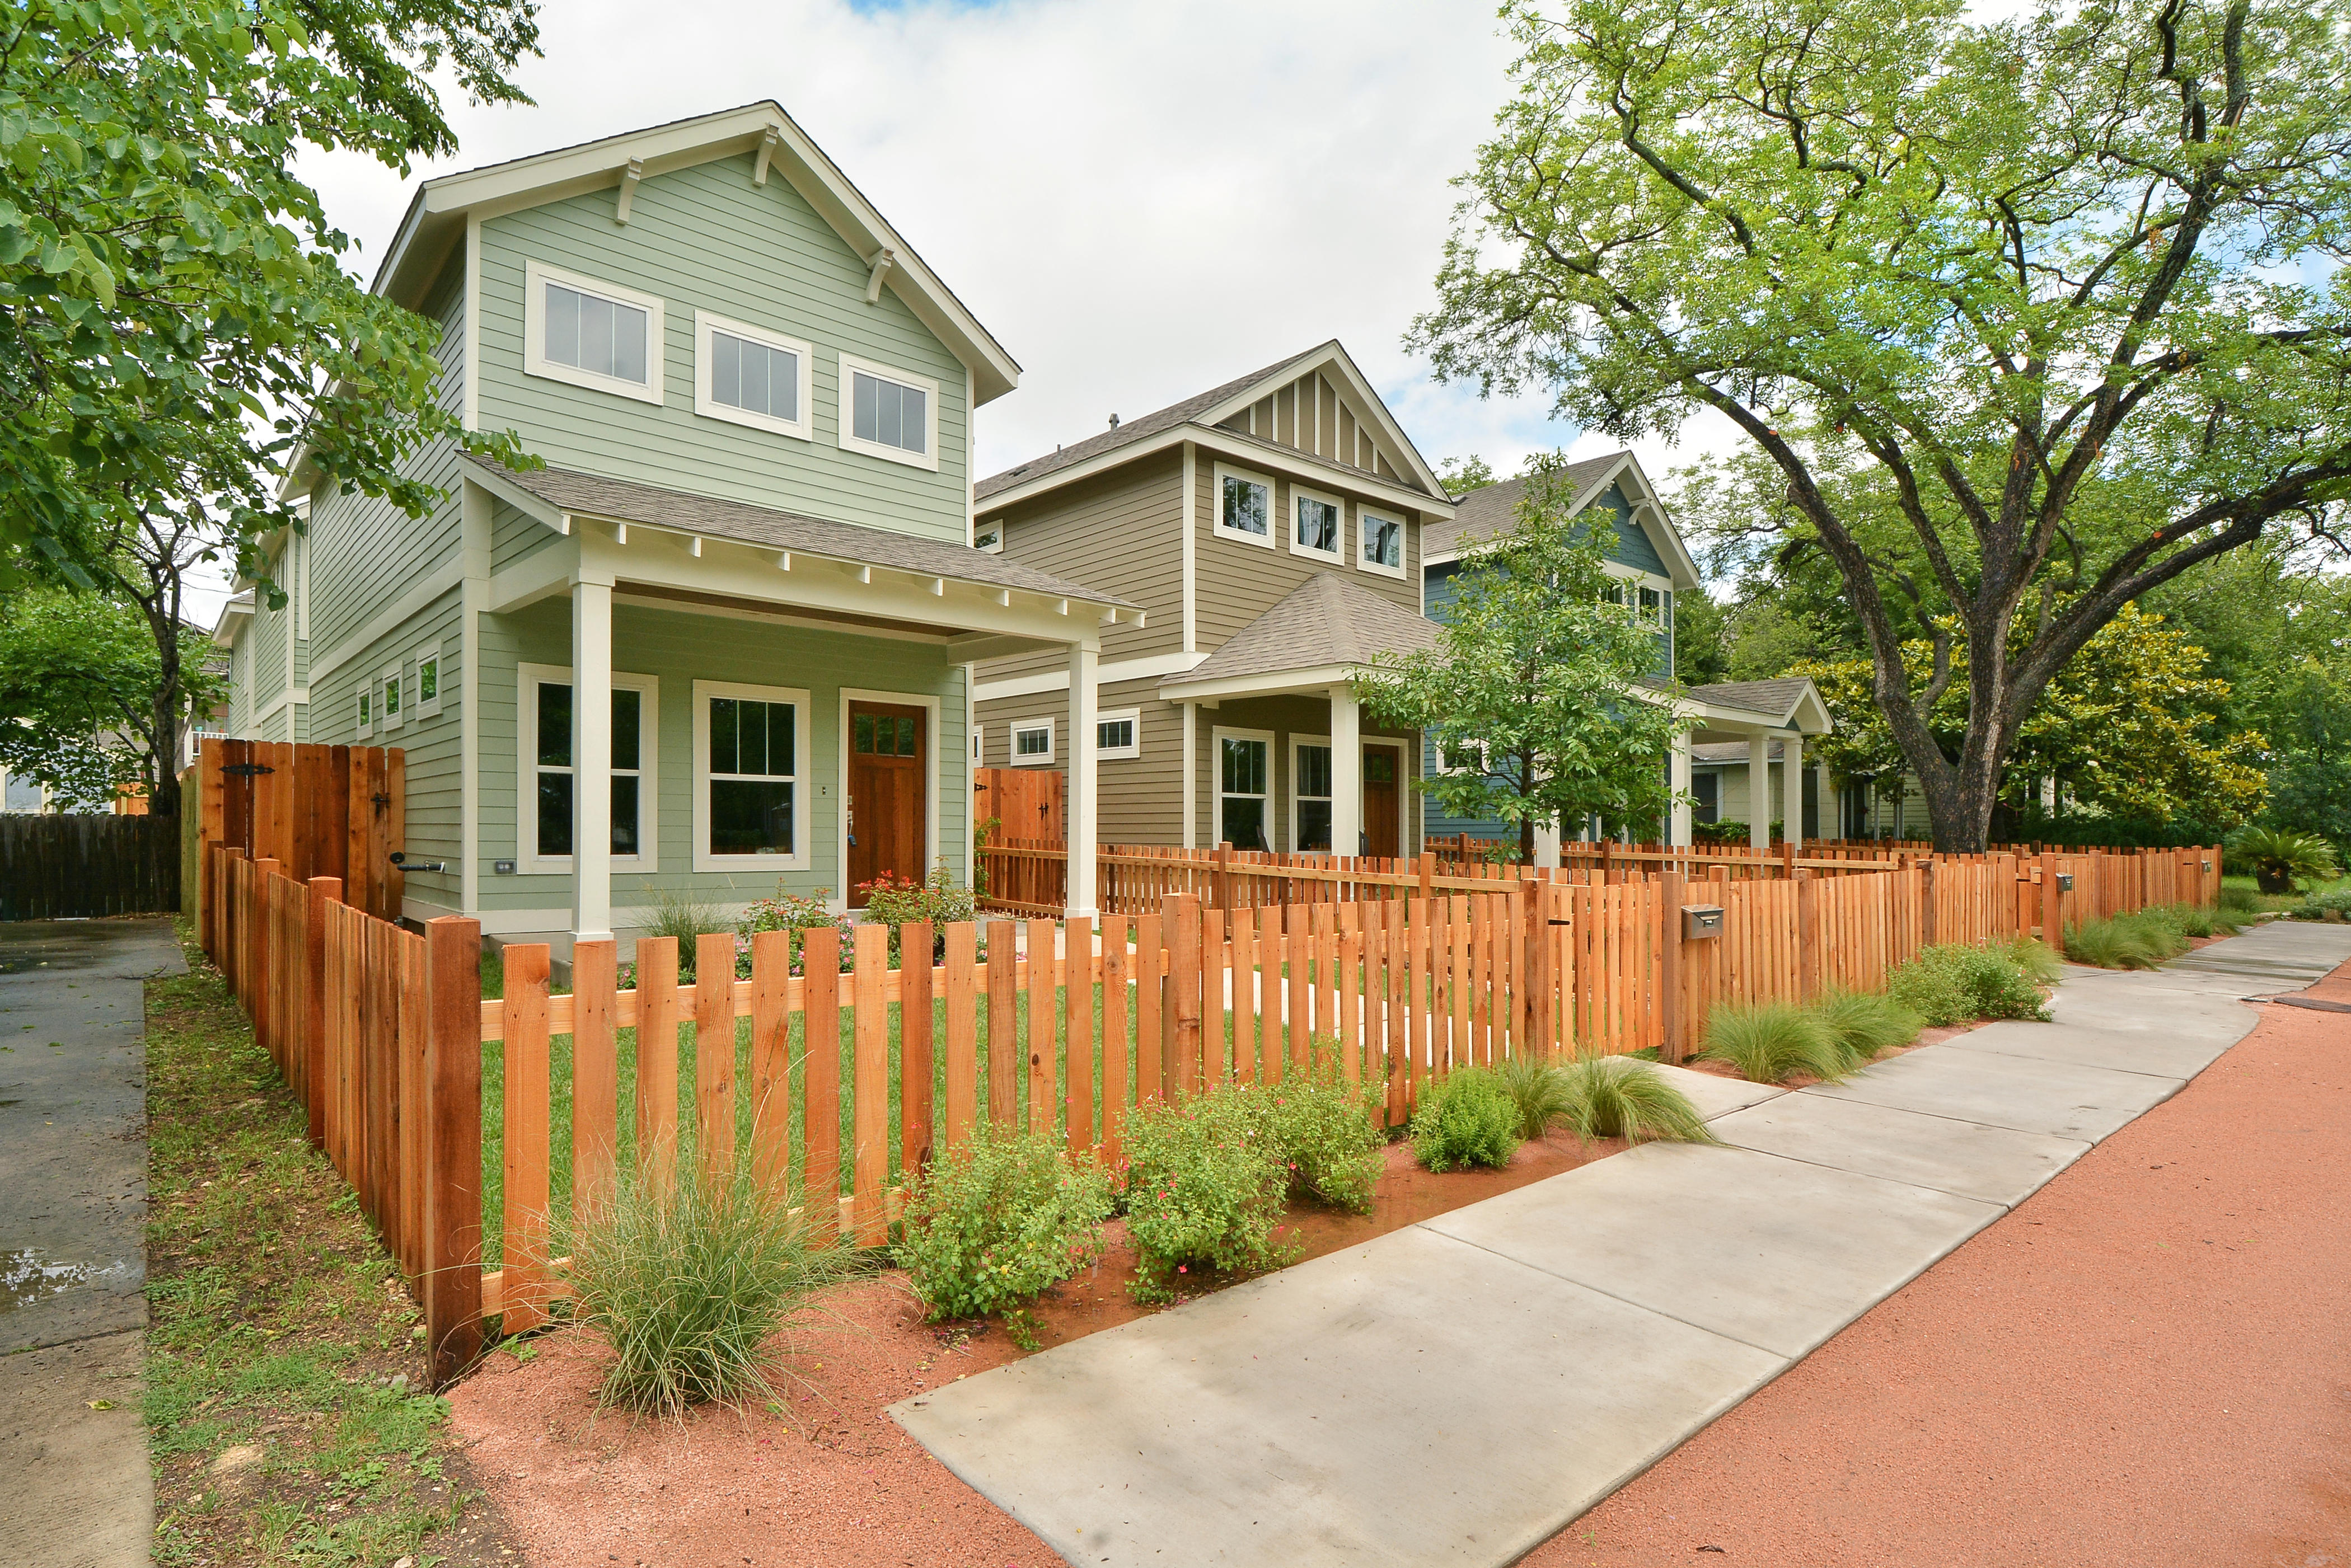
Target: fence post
point(452, 1270)
point(1669, 964)
point(2053, 905)
point(1808, 936)
point(324, 890)
point(1530, 1016)
point(1181, 915)
point(1224, 885)
point(1927, 922)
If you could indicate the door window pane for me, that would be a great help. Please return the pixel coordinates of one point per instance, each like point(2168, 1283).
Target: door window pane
point(906, 734)
point(863, 728)
point(1379, 767)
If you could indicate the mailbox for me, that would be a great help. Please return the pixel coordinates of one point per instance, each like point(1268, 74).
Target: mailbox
point(1700, 921)
point(2065, 881)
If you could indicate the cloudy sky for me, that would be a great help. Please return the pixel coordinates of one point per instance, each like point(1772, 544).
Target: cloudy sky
point(1139, 200)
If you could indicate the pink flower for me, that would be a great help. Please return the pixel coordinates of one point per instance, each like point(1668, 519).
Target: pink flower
point(1183, 1268)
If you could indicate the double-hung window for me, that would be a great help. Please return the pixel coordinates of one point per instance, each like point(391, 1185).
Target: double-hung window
point(1317, 526)
point(749, 748)
point(591, 334)
point(1242, 771)
point(548, 718)
point(750, 376)
point(1309, 771)
point(888, 413)
point(1244, 506)
point(1383, 542)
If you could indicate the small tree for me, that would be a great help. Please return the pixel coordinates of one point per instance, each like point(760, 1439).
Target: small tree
point(1534, 692)
point(80, 681)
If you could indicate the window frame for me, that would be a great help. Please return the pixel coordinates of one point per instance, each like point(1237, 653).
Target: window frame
point(1336, 557)
point(529, 860)
point(1217, 735)
point(707, 324)
point(427, 655)
point(392, 699)
point(1219, 473)
point(365, 710)
point(1132, 750)
point(845, 413)
point(1012, 731)
point(988, 540)
point(1297, 773)
point(804, 772)
point(1485, 765)
point(1364, 515)
point(536, 275)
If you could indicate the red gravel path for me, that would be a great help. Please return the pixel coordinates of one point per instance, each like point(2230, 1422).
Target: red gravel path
point(2143, 1366)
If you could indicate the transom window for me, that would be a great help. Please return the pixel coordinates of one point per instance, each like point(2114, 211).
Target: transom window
point(1383, 541)
point(1032, 745)
point(591, 334)
point(1241, 791)
point(749, 753)
point(1245, 506)
point(1316, 526)
point(549, 725)
point(887, 414)
point(1312, 765)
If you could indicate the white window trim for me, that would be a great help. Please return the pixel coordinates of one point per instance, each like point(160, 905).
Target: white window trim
point(526, 681)
point(536, 276)
point(391, 714)
point(1485, 759)
point(978, 751)
point(932, 707)
point(845, 414)
point(988, 540)
point(803, 428)
point(1012, 742)
point(1218, 736)
point(430, 653)
point(1224, 471)
point(1299, 492)
point(803, 775)
point(1118, 754)
point(1296, 744)
point(1404, 552)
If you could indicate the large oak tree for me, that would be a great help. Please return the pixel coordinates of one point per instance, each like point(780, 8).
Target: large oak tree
point(2020, 319)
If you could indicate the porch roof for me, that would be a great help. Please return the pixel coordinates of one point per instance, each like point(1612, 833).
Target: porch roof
point(573, 494)
point(1326, 624)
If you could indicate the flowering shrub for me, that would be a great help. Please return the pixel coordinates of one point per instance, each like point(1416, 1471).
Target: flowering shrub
point(1467, 1118)
point(1955, 983)
point(1322, 1126)
point(895, 901)
point(788, 912)
point(1205, 1183)
point(995, 1220)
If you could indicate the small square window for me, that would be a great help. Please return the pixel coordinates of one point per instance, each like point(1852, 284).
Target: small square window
point(1032, 745)
point(1244, 507)
point(1315, 525)
point(1119, 734)
point(1382, 542)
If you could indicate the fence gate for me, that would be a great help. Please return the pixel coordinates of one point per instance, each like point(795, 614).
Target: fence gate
point(316, 811)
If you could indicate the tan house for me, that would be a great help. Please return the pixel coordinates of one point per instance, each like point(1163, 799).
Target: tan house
point(1271, 530)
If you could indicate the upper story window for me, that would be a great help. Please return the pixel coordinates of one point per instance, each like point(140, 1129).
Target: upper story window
point(1317, 524)
point(888, 413)
point(1383, 542)
point(1244, 506)
point(990, 539)
point(591, 334)
point(751, 376)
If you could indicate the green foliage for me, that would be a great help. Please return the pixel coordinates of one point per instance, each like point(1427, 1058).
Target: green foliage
point(1538, 1089)
point(1535, 665)
point(2197, 920)
point(685, 1273)
point(1616, 1096)
point(75, 666)
point(1322, 1126)
point(1205, 1186)
point(994, 1221)
point(1954, 983)
point(1837, 227)
point(1466, 1118)
point(2144, 940)
point(2037, 959)
point(175, 315)
point(2278, 859)
point(2327, 903)
point(1772, 1041)
point(686, 918)
point(1863, 1024)
point(896, 901)
point(2238, 900)
point(1463, 475)
point(796, 913)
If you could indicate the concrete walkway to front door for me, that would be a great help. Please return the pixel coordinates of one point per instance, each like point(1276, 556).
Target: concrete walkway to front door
point(75, 1485)
point(1457, 1391)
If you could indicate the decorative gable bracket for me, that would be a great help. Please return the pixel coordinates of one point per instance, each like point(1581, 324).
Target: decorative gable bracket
point(630, 173)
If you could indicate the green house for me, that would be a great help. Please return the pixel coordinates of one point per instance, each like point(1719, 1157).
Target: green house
point(720, 644)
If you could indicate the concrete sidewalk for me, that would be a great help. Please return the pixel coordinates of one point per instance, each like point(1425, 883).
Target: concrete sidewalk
point(1460, 1390)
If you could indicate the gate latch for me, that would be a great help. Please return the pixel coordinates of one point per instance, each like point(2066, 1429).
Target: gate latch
point(246, 770)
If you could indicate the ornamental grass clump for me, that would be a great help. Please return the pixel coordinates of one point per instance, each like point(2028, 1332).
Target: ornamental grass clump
point(1863, 1024)
point(687, 1273)
point(1772, 1041)
point(1954, 983)
point(1205, 1185)
point(993, 1222)
point(2141, 941)
point(1616, 1096)
point(1464, 1120)
point(1539, 1090)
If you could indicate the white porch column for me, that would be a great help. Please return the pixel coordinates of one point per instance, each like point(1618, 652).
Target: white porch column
point(1678, 829)
point(1759, 790)
point(1085, 665)
point(1792, 789)
point(1546, 843)
point(1191, 769)
point(1346, 772)
point(591, 760)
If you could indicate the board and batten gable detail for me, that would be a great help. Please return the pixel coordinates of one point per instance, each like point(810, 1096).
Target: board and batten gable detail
point(710, 243)
point(1314, 415)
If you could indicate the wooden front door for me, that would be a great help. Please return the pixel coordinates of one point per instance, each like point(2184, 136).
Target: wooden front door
point(889, 772)
point(1381, 797)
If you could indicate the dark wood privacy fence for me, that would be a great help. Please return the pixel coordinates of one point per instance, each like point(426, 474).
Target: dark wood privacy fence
point(83, 868)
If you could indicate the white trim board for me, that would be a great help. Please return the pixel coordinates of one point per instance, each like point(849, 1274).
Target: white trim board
point(1151, 667)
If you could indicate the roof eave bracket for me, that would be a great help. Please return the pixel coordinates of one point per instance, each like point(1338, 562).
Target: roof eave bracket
point(769, 139)
point(884, 260)
point(630, 173)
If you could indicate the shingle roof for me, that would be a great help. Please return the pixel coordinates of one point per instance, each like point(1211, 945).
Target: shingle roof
point(1324, 620)
point(1774, 697)
point(1135, 429)
point(1729, 752)
point(1491, 509)
point(628, 501)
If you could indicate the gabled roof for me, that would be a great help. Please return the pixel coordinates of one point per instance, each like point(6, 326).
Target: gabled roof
point(437, 215)
point(1493, 509)
point(239, 608)
point(1222, 402)
point(1790, 701)
point(1326, 620)
point(568, 493)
